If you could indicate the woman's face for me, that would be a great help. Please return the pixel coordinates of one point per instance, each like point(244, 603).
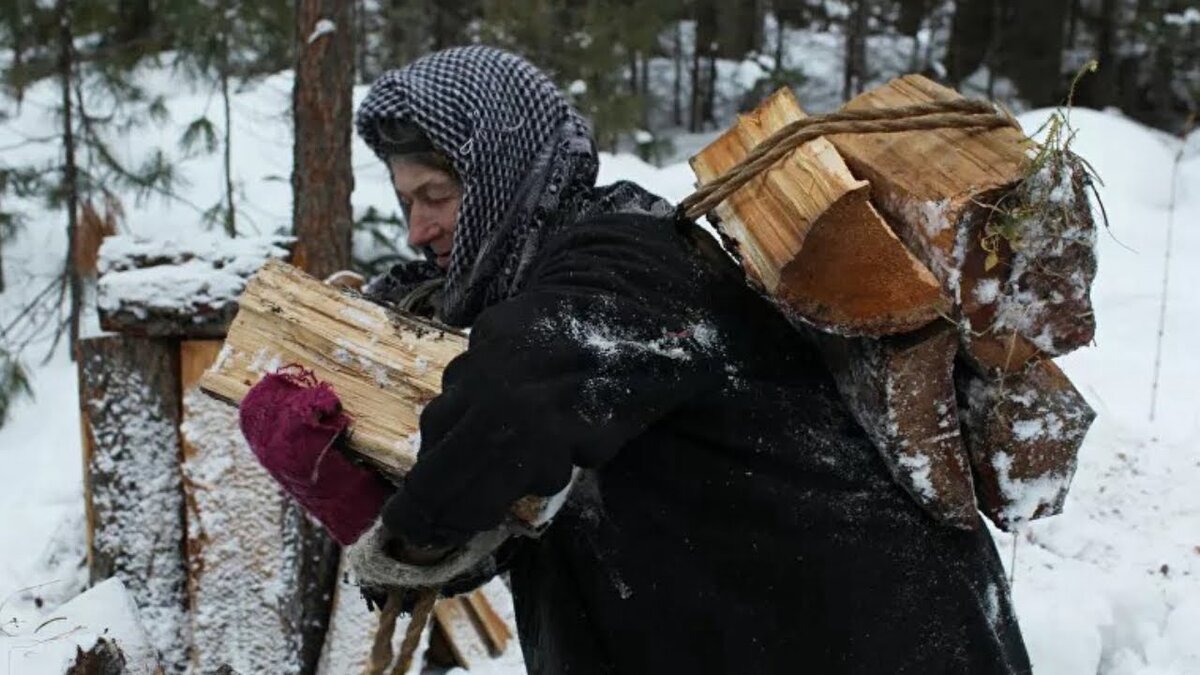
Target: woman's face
point(430, 198)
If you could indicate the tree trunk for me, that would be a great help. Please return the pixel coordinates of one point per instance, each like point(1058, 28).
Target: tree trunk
point(321, 178)
point(677, 88)
point(70, 171)
point(1033, 57)
point(970, 35)
point(1106, 83)
point(223, 74)
point(856, 49)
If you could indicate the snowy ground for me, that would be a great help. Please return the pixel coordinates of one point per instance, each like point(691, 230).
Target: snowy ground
point(1112, 586)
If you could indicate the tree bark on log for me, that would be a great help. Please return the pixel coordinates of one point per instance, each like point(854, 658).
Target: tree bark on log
point(901, 390)
point(130, 402)
point(1023, 432)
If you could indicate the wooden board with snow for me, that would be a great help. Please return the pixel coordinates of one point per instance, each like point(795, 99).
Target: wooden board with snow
point(384, 366)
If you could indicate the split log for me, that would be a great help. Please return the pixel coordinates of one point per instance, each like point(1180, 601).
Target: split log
point(130, 412)
point(901, 390)
point(246, 549)
point(1023, 432)
point(489, 623)
point(186, 288)
point(384, 366)
point(454, 624)
point(809, 238)
point(1010, 238)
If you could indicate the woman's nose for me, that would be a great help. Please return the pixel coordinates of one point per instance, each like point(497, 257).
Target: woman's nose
point(421, 228)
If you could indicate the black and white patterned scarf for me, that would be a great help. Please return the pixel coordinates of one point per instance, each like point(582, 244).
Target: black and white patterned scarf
point(525, 157)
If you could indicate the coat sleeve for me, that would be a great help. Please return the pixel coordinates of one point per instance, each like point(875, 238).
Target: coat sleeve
point(604, 341)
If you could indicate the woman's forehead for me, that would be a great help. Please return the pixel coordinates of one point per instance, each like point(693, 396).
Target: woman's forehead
point(410, 176)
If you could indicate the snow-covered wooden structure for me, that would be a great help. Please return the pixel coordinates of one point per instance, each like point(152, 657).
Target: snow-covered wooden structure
point(226, 570)
point(943, 266)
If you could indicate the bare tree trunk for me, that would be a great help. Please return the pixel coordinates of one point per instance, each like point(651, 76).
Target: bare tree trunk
point(322, 221)
point(360, 41)
point(677, 92)
point(70, 171)
point(703, 79)
point(223, 74)
point(856, 49)
point(321, 179)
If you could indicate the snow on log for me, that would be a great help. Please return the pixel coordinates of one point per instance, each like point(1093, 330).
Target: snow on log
point(901, 390)
point(1023, 432)
point(808, 236)
point(100, 627)
point(384, 366)
point(245, 551)
point(178, 288)
point(130, 402)
point(956, 195)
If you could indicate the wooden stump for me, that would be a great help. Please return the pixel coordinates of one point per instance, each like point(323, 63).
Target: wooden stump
point(130, 412)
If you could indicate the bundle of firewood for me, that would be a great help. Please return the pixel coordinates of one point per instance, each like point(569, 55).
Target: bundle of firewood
point(942, 269)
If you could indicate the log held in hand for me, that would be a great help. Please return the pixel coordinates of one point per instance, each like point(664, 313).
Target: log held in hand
point(384, 366)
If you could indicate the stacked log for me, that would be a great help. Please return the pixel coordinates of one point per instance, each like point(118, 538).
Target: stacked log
point(943, 270)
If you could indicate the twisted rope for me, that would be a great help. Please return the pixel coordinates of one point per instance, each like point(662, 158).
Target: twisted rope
point(961, 114)
point(416, 626)
point(381, 649)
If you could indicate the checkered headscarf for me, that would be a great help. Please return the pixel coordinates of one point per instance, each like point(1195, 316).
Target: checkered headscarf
point(525, 157)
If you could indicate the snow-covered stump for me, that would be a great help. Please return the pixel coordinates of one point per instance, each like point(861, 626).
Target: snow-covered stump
point(1023, 432)
point(130, 399)
point(246, 544)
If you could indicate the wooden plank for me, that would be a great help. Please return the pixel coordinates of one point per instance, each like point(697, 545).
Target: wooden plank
point(808, 235)
point(488, 622)
point(384, 366)
point(130, 400)
point(901, 390)
point(466, 642)
point(246, 544)
point(1023, 432)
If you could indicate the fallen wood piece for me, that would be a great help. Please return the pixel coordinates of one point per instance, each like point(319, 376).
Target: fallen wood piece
point(808, 236)
point(133, 490)
point(384, 366)
point(246, 594)
point(901, 390)
point(178, 288)
point(1023, 432)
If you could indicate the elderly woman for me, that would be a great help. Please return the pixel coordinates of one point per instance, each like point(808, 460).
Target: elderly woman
point(720, 510)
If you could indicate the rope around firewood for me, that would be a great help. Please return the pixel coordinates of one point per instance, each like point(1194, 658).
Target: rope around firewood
point(962, 114)
point(381, 650)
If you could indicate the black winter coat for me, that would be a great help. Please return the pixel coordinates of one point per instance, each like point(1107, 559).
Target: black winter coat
point(731, 516)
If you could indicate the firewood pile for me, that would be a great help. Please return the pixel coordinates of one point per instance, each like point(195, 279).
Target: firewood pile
point(943, 268)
